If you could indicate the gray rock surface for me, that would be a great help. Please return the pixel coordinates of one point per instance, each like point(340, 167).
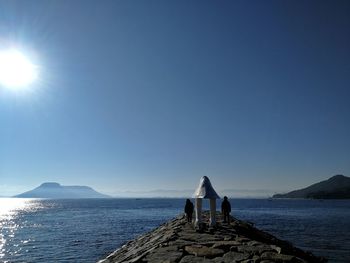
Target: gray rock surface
point(178, 241)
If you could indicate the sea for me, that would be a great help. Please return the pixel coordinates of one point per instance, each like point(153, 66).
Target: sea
point(87, 230)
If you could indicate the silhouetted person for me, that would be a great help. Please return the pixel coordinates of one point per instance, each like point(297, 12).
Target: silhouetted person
point(189, 210)
point(226, 209)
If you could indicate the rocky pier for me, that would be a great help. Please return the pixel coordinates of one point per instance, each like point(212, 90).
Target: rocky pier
point(179, 242)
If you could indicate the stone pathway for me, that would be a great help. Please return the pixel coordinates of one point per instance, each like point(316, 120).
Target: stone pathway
point(178, 242)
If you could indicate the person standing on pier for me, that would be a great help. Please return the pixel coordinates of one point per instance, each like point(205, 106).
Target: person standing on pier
point(189, 210)
point(226, 209)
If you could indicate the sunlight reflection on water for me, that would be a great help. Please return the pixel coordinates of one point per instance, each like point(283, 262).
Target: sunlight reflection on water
point(86, 230)
point(10, 208)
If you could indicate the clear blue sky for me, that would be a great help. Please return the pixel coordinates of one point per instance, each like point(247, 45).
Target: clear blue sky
point(142, 95)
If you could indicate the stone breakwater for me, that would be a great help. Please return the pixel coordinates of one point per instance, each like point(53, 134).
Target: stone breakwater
point(239, 241)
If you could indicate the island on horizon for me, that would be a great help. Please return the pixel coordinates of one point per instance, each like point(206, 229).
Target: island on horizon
point(336, 187)
point(56, 191)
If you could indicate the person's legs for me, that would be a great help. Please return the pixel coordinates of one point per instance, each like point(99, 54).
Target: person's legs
point(226, 217)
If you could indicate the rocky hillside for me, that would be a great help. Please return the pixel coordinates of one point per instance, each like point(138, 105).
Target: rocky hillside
point(336, 187)
point(178, 241)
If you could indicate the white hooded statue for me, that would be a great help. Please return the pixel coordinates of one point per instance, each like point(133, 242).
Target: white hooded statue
point(205, 190)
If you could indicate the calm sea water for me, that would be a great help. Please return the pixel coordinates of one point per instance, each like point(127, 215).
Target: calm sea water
point(37, 230)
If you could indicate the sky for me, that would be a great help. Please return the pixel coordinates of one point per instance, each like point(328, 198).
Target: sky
point(137, 96)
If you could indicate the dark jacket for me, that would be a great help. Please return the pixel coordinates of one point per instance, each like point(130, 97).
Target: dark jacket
point(226, 206)
point(189, 208)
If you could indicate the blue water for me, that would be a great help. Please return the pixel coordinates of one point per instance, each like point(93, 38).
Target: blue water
point(34, 230)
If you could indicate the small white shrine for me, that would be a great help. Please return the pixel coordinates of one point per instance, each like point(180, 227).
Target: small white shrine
point(205, 191)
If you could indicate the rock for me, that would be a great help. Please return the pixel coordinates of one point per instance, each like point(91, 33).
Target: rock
point(253, 243)
point(180, 243)
point(256, 258)
point(193, 259)
point(226, 238)
point(278, 257)
point(226, 245)
point(203, 251)
point(255, 250)
point(235, 256)
point(165, 255)
point(242, 239)
point(276, 248)
point(203, 237)
point(218, 260)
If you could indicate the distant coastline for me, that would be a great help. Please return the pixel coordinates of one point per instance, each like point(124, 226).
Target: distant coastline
point(336, 187)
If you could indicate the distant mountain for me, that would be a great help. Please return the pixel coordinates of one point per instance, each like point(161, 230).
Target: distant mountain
point(57, 191)
point(336, 187)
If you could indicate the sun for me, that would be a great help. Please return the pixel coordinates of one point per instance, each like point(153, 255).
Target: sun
point(16, 70)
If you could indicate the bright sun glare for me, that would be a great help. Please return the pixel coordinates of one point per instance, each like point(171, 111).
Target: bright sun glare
point(16, 70)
